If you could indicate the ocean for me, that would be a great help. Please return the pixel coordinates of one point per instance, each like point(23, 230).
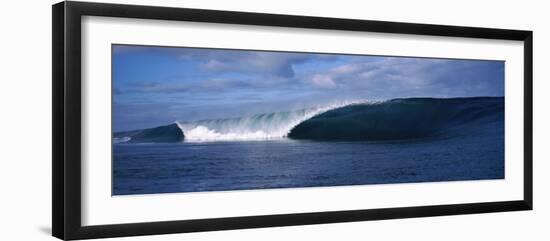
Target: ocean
point(396, 141)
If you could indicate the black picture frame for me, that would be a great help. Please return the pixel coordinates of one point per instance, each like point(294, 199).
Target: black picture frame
point(66, 164)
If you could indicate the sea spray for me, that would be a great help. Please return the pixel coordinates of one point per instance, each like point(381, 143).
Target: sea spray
point(267, 126)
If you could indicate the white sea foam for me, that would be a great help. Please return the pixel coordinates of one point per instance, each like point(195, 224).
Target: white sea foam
point(254, 127)
point(121, 139)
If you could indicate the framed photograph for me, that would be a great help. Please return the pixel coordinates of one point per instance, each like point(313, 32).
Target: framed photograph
point(171, 120)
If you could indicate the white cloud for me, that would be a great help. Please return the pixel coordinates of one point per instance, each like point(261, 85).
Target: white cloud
point(323, 81)
point(402, 73)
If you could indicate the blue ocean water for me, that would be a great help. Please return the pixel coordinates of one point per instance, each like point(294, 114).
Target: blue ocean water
point(400, 141)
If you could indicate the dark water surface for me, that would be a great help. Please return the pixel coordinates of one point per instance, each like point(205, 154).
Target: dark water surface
point(217, 166)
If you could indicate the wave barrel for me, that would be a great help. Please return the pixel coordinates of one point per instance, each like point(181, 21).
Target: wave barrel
point(400, 119)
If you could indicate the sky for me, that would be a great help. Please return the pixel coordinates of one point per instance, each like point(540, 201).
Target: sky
point(155, 86)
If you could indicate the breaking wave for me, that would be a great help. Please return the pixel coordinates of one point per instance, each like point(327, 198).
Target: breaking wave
point(265, 126)
point(394, 119)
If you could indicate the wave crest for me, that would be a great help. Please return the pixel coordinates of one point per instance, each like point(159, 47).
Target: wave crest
point(266, 126)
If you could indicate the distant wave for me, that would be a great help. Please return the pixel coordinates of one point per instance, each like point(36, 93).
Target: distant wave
point(355, 120)
point(160, 134)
